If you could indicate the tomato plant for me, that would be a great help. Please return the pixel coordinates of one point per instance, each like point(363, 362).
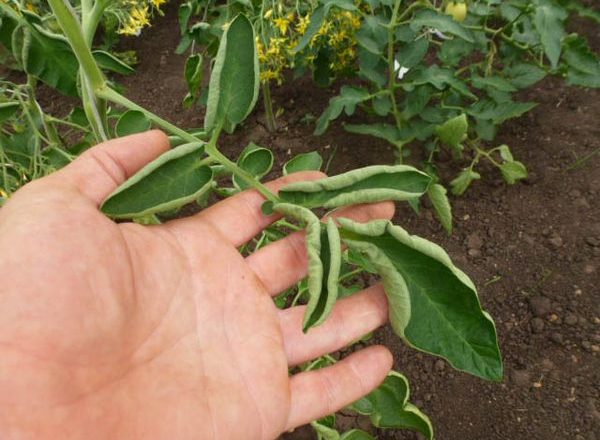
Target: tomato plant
point(434, 306)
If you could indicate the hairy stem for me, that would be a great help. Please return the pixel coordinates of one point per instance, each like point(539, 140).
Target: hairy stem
point(268, 102)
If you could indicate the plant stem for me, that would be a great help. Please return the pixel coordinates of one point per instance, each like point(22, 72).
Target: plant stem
point(268, 103)
point(391, 61)
point(212, 151)
point(65, 15)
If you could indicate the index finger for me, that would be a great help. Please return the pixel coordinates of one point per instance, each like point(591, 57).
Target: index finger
point(239, 218)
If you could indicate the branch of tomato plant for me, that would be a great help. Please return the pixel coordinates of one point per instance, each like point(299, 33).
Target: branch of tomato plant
point(391, 65)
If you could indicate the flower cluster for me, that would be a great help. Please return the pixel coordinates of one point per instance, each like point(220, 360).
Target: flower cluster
point(134, 15)
point(285, 29)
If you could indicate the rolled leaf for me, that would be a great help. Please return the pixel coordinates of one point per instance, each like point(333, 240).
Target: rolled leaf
point(331, 261)
point(433, 305)
point(233, 87)
point(441, 205)
point(170, 181)
point(108, 61)
point(303, 162)
point(364, 185)
point(317, 307)
point(388, 407)
point(257, 161)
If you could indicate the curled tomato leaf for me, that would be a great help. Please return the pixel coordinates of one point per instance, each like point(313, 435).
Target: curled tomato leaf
point(365, 185)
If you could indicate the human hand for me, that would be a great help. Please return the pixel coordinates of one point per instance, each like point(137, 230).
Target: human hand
point(127, 331)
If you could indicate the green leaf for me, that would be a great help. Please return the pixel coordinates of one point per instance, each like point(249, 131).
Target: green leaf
point(233, 87)
point(303, 162)
point(108, 61)
point(382, 105)
point(325, 432)
point(132, 121)
point(513, 171)
point(453, 131)
point(193, 72)
point(316, 272)
point(256, 160)
point(388, 407)
point(8, 109)
point(383, 131)
point(185, 13)
point(440, 78)
point(365, 185)
point(347, 101)
point(47, 57)
point(548, 20)
point(356, 434)
point(463, 180)
point(166, 183)
point(493, 82)
point(583, 63)
point(524, 75)
point(505, 153)
point(316, 21)
point(499, 112)
point(441, 205)
point(331, 260)
point(441, 22)
point(433, 305)
point(412, 53)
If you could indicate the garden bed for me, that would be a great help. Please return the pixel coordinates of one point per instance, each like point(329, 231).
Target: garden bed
point(533, 249)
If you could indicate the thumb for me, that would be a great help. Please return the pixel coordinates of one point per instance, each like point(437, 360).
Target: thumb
point(101, 169)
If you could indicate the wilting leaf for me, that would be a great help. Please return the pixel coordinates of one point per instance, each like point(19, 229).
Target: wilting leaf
point(110, 62)
point(388, 407)
point(257, 161)
point(331, 260)
point(132, 121)
point(365, 185)
point(303, 162)
point(463, 180)
point(170, 181)
point(513, 171)
point(433, 305)
point(233, 87)
point(347, 101)
point(193, 73)
point(441, 205)
point(453, 131)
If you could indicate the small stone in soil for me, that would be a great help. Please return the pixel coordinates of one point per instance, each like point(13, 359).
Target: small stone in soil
point(555, 240)
point(571, 319)
point(540, 305)
point(537, 325)
point(557, 338)
point(521, 377)
point(440, 365)
point(592, 241)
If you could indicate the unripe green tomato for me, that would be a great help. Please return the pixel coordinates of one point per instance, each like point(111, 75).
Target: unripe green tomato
point(458, 11)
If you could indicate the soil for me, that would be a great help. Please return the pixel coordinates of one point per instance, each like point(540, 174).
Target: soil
point(533, 249)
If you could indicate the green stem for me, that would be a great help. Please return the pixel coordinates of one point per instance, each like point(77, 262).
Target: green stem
point(390, 59)
point(212, 151)
point(268, 103)
point(91, 20)
point(65, 15)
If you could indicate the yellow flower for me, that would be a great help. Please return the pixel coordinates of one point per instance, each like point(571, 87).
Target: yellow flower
point(139, 16)
point(282, 24)
point(268, 13)
point(302, 24)
point(3, 194)
point(31, 7)
point(158, 3)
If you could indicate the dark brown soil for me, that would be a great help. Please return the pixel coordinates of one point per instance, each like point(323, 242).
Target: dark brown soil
point(532, 248)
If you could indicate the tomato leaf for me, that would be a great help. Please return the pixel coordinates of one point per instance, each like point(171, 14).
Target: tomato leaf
point(256, 160)
point(233, 88)
point(441, 205)
point(364, 185)
point(132, 121)
point(170, 181)
point(433, 305)
point(388, 407)
point(303, 162)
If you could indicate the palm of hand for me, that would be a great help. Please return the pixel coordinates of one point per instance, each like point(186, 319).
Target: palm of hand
point(162, 331)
